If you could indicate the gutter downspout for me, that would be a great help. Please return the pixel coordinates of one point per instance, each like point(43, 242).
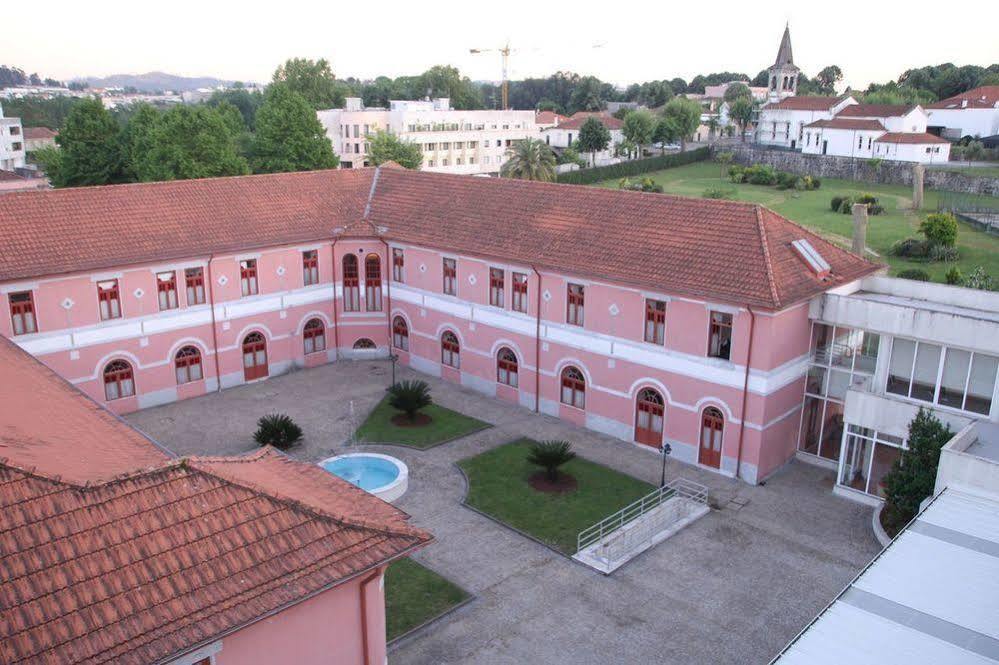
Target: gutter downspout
point(215, 333)
point(366, 657)
point(745, 391)
point(336, 322)
point(537, 346)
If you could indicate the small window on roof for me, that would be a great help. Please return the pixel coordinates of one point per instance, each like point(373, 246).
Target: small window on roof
point(811, 256)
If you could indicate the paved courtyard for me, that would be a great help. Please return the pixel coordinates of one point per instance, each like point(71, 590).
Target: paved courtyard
point(733, 587)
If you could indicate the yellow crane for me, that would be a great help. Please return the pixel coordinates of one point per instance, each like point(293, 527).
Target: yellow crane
point(504, 51)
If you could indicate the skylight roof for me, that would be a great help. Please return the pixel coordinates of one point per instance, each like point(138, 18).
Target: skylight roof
point(812, 257)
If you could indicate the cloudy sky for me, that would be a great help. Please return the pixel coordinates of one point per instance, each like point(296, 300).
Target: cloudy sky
point(869, 40)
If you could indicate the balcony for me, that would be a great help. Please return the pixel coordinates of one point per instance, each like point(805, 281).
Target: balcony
point(890, 414)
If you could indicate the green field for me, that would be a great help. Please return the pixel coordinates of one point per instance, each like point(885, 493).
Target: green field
point(444, 426)
point(414, 595)
point(811, 209)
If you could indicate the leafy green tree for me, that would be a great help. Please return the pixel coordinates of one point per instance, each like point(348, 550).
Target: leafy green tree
point(447, 81)
point(90, 152)
point(827, 79)
point(724, 159)
point(655, 93)
point(386, 147)
point(940, 228)
point(736, 91)
point(974, 151)
point(246, 101)
point(136, 137)
point(684, 115)
point(38, 112)
point(741, 112)
point(593, 137)
point(289, 136)
point(191, 142)
point(587, 95)
point(529, 159)
point(914, 474)
point(314, 80)
point(639, 126)
point(663, 134)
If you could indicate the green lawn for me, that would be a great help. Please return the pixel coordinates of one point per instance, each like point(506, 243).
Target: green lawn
point(446, 425)
point(811, 209)
point(414, 595)
point(497, 485)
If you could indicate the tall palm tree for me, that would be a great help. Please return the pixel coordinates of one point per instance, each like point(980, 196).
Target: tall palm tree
point(529, 159)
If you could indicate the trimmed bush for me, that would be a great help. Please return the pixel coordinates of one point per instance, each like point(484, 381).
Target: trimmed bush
point(761, 174)
point(846, 207)
point(940, 228)
point(875, 209)
point(954, 277)
point(912, 248)
point(917, 274)
point(718, 193)
point(914, 474)
point(550, 455)
point(787, 180)
point(737, 174)
point(409, 397)
point(277, 430)
point(869, 199)
point(634, 167)
point(812, 182)
point(646, 185)
point(836, 202)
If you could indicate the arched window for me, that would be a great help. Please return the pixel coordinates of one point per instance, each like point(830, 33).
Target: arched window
point(351, 288)
point(314, 336)
point(118, 380)
point(373, 283)
point(187, 364)
point(573, 387)
point(506, 367)
point(450, 351)
point(400, 333)
point(364, 343)
point(712, 428)
point(649, 411)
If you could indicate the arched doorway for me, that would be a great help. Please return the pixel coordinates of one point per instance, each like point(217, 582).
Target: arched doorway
point(712, 427)
point(254, 356)
point(649, 414)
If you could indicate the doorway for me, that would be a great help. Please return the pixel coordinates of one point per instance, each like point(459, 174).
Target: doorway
point(254, 356)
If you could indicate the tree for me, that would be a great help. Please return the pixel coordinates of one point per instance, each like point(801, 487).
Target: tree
point(663, 134)
point(827, 79)
point(314, 80)
point(685, 116)
point(914, 473)
point(529, 159)
point(289, 136)
point(447, 81)
point(246, 101)
point(136, 137)
point(550, 455)
point(974, 151)
point(409, 397)
point(586, 96)
point(723, 159)
point(189, 142)
point(385, 147)
point(940, 228)
point(639, 126)
point(593, 137)
point(90, 152)
point(655, 93)
point(736, 91)
point(741, 111)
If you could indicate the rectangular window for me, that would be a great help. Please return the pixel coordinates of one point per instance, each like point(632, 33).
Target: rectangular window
point(575, 295)
point(22, 313)
point(497, 278)
point(655, 321)
point(720, 339)
point(519, 302)
point(248, 277)
point(450, 277)
point(108, 300)
point(310, 267)
point(398, 263)
point(966, 380)
point(373, 283)
point(195, 278)
point(166, 289)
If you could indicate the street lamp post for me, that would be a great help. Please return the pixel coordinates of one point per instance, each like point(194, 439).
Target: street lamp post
point(394, 357)
point(665, 449)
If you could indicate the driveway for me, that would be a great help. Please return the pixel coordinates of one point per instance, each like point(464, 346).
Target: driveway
point(733, 587)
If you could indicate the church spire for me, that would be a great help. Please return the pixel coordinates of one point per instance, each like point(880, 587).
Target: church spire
point(784, 52)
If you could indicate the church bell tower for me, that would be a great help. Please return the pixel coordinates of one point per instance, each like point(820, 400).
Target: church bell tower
point(783, 74)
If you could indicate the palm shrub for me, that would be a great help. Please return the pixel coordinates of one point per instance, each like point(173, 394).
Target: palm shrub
point(409, 397)
point(277, 430)
point(550, 455)
point(529, 159)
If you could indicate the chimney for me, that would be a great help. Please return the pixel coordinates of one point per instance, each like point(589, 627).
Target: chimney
point(859, 228)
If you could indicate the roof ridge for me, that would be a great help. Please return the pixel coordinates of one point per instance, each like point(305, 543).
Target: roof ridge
point(767, 262)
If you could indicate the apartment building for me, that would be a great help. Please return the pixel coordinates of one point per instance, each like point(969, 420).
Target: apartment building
point(12, 147)
point(453, 141)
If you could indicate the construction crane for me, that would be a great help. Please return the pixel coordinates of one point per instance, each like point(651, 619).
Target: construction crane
point(504, 51)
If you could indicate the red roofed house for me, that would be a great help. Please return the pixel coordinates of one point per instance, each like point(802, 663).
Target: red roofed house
point(36, 138)
point(782, 123)
point(114, 551)
point(567, 131)
point(882, 131)
point(974, 113)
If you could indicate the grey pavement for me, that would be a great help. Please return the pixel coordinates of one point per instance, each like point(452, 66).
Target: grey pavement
point(733, 587)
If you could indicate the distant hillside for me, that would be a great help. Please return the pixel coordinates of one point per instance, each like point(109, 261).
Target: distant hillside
point(153, 81)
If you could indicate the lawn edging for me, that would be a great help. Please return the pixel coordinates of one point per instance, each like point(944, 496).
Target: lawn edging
point(398, 640)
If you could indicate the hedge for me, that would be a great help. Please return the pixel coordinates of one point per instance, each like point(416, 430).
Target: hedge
point(634, 167)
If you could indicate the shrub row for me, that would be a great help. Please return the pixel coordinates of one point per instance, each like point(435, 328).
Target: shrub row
point(634, 167)
point(764, 174)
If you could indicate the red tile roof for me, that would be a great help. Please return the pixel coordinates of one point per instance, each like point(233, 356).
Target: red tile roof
point(984, 97)
point(693, 247)
point(848, 123)
point(100, 567)
point(549, 118)
point(10, 176)
point(912, 138)
point(577, 120)
point(34, 133)
point(875, 110)
point(805, 103)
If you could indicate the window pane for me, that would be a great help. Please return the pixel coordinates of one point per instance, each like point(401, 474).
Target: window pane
point(955, 373)
point(884, 457)
point(867, 355)
point(832, 431)
point(815, 383)
point(982, 383)
point(811, 425)
point(924, 377)
point(856, 462)
point(195, 372)
point(838, 383)
point(900, 366)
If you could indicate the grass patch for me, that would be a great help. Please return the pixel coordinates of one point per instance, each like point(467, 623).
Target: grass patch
point(811, 209)
point(497, 485)
point(414, 595)
point(446, 425)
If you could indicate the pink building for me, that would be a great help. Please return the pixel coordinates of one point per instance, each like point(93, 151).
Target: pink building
point(115, 552)
point(651, 318)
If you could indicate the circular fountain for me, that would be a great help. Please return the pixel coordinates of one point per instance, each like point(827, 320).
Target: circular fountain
point(382, 475)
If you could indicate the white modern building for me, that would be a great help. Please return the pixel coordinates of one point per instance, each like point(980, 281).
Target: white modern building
point(453, 141)
point(782, 123)
point(974, 113)
point(876, 131)
point(12, 153)
point(566, 132)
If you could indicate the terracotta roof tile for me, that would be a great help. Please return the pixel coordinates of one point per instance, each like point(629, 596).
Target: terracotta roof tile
point(805, 103)
point(577, 120)
point(848, 123)
point(35, 133)
point(875, 110)
point(984, 97)
point(911, 138)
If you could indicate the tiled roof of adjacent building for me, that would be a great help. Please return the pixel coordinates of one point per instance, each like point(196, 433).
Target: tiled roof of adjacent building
point(848, 123)
point(10, 176)
point(917, 138)
point(985, 97)
point(804, 103)
point(723, 250)
point(113, 552)
point(577, 120)
point(548, 118)
point(875, 110)
point(35, 133)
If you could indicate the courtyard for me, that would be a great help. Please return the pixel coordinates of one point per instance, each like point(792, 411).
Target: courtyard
point(733, 587)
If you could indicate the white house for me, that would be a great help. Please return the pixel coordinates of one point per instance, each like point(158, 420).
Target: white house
point(881, 131)
point(563, 135)
point(844, 137)
point(909, 147)
point(453, 141)
point(894, 117)
point(973, 113)
point(782, 123)
point(12, 153)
